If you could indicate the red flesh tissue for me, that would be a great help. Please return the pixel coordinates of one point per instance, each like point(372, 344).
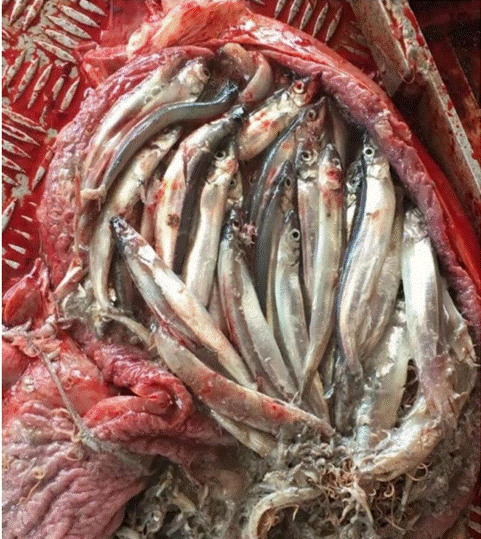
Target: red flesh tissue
point(119, 393)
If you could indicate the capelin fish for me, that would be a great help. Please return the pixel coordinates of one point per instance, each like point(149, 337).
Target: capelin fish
point(308, 202)
point(365, 252)
point(441, 396)
point(456, 335)
point(290, 327)
point(383, 299)
point(326, 260)
point(340, 132)
point(235, 196)
point(272, 117)
point(442, 393)
point(126, 194)
point(307, 125)
point(177, 197)
point(422, 292)
point(202, 258)
point(406, 447)
point(149, 272)
point(215, 308)
point(154, 122)
point(230, 399)
point(265, 255)
point(260, 442)
point(166, 85)
point(352, 195)
point(247, 325)
point(386, 373)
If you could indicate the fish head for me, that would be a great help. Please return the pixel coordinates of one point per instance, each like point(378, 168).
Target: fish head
point(370, 152)
point(330, 164)
point(291, 236)
point(302, 90)
point(232, 226)
point(307, 156)
point(287, 180)
point(312, 120)
point(225, 160)
point(236, 192)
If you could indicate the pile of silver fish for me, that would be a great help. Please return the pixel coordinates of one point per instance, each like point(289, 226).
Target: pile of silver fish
point(290, 283)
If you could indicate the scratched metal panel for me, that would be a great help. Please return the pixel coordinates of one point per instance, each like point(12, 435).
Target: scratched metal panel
point(41, 92)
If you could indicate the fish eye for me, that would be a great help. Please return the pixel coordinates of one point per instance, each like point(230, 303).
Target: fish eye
point(288, 181)
point(336, 162)
point(368, 151)
point(295, 234)
point(299, 87)
point(233, 183)
point(236, 224)
point(220, 154)
point(312, 115)
point(205, 72)
point(306, 155)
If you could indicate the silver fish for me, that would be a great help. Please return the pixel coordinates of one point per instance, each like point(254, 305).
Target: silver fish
point(265, 255)
point(295, 7)
point(422, 291)
point(383, 299)
point(279, 7)
point(321, 19)
point(306, 16)
point(230, 399)
point(365, 253)
point(215, 308)
point(437, 403)
point(166, 84)
point(126, 194)
point(149, 270)
point(352, 190)
point(176, 202)
point(456, 336)
point(308, 201)
point(386, 374)
point(202, 258)
point(290, 325)
point(340, 131)
point(260, 442)
point(326, 260)
point(272, 117)
point(247, 325)
point(12, 148)
point(405, 447)
point(308, 124)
